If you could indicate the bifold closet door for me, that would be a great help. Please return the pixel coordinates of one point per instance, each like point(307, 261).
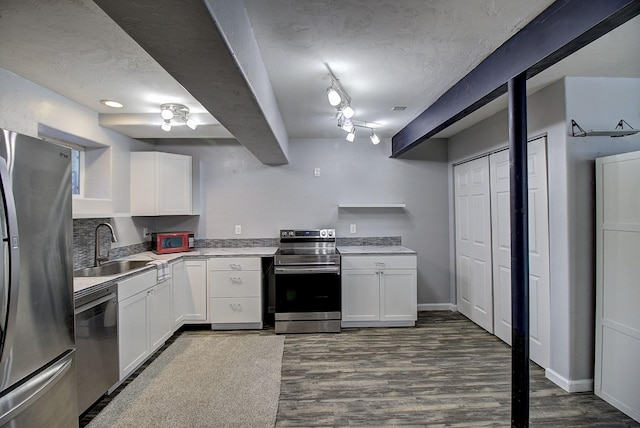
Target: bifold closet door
point(473, 241)
point(539, 329)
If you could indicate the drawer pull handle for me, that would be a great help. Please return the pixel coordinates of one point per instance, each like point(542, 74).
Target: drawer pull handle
point(235, 306)
point(235, 266)
point(236, 280)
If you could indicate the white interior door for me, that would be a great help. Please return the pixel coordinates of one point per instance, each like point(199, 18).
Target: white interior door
point(473, 242)
point(617, 361)
point(539, 327)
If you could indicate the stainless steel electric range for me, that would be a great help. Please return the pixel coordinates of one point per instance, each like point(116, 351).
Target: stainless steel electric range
point(307, 282)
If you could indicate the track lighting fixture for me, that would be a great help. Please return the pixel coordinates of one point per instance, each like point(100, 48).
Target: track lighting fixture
point(168, 112)
point(339, 99)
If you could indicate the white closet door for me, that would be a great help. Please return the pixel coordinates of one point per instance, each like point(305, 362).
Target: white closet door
point(617, 359)
point(473, 242)
point(539, 328)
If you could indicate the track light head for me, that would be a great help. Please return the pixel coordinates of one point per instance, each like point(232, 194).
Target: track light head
point(347, 111)
point(190, 123)
point(374, 138)
point(166, 112)
point(166, 125)
point(333, 96)
point(351, 135)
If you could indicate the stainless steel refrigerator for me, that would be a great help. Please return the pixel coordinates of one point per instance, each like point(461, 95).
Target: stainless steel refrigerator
point(37, 368)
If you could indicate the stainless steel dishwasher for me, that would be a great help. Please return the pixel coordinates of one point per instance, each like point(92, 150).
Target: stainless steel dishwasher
point(96, 316)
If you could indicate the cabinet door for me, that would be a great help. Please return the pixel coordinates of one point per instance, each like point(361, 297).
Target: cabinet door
point(132, 333)
point(195, 293)
point(174, 184)
point(360, 295)
point(179, 287)
point(160, 314)
point(398, 291)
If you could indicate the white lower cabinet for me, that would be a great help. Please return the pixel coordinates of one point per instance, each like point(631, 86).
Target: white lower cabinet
point(144, 318)
point(179, 293)
point(379, 291)
point(194, 295)
point(235, 293)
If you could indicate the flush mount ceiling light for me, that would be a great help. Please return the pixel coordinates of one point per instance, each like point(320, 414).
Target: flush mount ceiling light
point(177, 112)
point(112, 103)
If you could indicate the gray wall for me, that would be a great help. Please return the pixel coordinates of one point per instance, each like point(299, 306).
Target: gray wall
point(237, 189)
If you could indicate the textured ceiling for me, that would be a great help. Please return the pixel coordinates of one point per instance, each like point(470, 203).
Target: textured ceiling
point(385, 53)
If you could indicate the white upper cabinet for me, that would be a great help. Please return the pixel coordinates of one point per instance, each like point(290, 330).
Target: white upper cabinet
point(161, 184)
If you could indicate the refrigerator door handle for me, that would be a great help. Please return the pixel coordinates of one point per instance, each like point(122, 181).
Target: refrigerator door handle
point(13, 403)
point(10, 288)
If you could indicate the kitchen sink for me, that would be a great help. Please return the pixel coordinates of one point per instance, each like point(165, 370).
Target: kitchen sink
point(110, 268)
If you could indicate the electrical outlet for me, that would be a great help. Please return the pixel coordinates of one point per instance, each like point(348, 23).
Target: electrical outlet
point(316, 172)
point(352, 228)
point(145, 231)
point(238, 229)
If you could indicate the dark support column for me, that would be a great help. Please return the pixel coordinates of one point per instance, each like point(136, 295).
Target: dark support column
point(519, 252)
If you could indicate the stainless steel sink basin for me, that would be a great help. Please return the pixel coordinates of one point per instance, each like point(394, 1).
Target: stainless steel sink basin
point(110, 268)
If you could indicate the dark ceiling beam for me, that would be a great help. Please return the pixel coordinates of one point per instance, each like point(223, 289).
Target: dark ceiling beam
point(184, 38)
point(560, 30)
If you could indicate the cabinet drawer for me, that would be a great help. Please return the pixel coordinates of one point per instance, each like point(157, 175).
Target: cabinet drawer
point(236, 310)
point(235, 283)
point(379, 262)
point(235, 263)
point(136, 284)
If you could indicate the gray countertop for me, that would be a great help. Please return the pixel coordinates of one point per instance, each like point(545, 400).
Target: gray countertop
point(370, 250)
point(82, 286)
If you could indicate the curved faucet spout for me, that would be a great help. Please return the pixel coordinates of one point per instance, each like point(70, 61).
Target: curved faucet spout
point(98, 258)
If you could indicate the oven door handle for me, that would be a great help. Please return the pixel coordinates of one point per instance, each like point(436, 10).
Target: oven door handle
point(291, 270)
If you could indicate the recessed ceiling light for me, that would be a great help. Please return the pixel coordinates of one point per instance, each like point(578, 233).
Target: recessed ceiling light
point(398, 108)
point(111, 103)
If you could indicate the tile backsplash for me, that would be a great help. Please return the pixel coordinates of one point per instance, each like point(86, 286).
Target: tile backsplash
point(84, 242)
point(84, 231)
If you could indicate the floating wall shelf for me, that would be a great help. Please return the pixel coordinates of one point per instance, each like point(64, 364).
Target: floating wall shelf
point(372, 205)
point(619, 131)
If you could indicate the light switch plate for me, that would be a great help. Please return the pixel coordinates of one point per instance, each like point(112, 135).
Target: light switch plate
point(316, 172)
point(352, 228)
point(238, 229)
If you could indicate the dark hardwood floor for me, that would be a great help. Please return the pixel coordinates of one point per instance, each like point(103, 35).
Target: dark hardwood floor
point(445, 372)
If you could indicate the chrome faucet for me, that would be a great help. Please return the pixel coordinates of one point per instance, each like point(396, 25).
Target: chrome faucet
point(98, 258)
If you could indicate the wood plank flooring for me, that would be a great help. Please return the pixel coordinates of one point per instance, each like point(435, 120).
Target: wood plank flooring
point(445, 372)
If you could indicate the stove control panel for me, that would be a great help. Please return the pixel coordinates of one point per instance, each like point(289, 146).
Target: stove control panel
point(307, 233)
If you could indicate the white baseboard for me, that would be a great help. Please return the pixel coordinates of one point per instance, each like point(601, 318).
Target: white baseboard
point(581, 385)
point(437, 307)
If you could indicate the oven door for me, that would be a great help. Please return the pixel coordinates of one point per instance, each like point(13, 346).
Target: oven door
point(307, 289)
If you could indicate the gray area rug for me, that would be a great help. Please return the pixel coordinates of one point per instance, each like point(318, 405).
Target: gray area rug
point(203, 381)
